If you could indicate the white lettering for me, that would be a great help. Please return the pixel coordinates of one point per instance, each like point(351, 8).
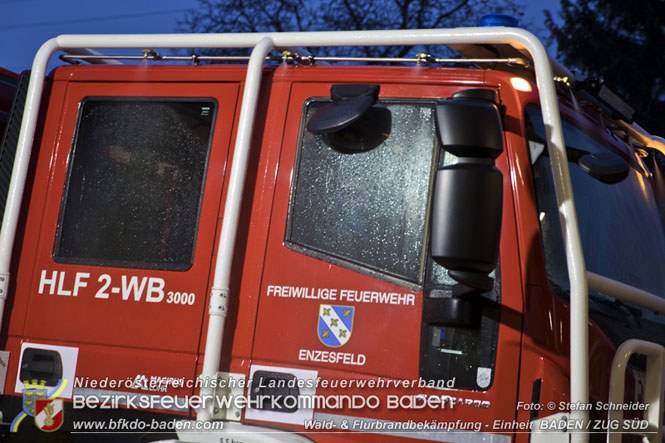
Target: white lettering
point(388, 298)
point(102, 291)
point(347, 295)
point(344, 358)
point(78, 401)
point(133, 287)
point(155, 290)
point(79, 282)
point(43, 281)
point(61, 283)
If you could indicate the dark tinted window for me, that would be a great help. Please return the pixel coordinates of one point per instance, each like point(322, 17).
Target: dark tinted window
point(367, 208)
point(135, 183)
point(620, 227)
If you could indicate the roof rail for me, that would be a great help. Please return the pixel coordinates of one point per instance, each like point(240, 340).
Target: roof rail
point(96, 57)
point(511, 51)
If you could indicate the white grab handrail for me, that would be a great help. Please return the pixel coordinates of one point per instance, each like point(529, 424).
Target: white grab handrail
point(624, 292)
point(653, 392)
point(219, 298)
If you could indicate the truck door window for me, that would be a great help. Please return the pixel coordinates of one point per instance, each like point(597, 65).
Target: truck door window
point(367, 210)
point(622, 234)
point(135, 183)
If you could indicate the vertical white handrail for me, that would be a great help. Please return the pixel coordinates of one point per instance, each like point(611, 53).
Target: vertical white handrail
point(653, 392)
point(219, 297)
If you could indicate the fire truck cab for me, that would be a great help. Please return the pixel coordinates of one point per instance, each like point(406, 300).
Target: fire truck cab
point(294, 249)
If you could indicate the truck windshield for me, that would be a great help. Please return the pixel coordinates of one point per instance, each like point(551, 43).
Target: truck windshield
point(621, 229)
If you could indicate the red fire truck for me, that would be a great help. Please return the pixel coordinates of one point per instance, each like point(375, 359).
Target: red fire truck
point(298, 249)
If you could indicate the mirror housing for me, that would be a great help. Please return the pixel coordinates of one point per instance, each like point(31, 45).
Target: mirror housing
point(606, 167)
point(351, 123)
point(349, 103)
point(468, 195)
point(462, 307)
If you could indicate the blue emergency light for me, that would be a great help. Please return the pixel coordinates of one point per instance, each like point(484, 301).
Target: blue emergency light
point(498, 20)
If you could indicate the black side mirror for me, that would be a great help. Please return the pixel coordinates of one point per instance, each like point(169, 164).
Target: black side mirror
point(606, 167)
point(349, 103)
point(468, 195)
point(351, 123)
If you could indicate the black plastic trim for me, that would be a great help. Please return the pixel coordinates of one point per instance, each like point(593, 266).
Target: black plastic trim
point(10, 138)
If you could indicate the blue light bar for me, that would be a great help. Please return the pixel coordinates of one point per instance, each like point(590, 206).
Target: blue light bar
point(498, 20)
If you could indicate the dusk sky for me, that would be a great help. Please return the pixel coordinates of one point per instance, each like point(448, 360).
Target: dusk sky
point(26, 24)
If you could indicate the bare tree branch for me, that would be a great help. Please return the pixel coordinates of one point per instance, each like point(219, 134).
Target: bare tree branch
point(300, 15)
point(449, 13)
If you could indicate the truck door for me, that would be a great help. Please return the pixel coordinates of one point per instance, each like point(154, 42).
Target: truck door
point(347, 266)
point(125, 239)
